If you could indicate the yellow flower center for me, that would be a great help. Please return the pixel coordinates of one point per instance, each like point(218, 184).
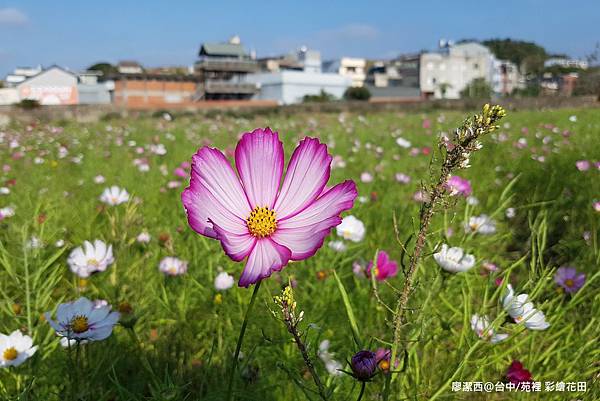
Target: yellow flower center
point(569, 283)
point(93, 262)
point(261, 222)
point(79, 324)
point(10, 354)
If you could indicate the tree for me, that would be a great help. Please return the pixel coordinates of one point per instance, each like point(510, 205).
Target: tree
point(357, 93)
point(530, 57)
point(104, 68)
point(477, 89)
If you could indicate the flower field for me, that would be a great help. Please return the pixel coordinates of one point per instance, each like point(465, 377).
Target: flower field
point(177, 257)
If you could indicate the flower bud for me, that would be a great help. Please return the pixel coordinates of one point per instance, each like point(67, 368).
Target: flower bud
point(364, 365)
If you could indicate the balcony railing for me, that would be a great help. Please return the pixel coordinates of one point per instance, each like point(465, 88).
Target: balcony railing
point(228, 87)
point(233, 65)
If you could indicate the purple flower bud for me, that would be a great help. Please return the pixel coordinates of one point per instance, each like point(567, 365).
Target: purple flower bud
point(364, 365)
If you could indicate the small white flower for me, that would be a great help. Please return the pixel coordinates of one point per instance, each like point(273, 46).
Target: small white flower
point(89, 259)
point(454, 260)
point(510, 212)
point(403, 143)
point(521, 310)
point(481, 326)
point(114, 196)
point(472, 201)
point(34, 243)
point(172, 266)
point(481, 224)
point(573, 118)
point(351, 229)
point(366, 177)
point(81, 320)
point(223, 281)
point(338, 246)
point(333, 366)
point(99, 179)
point(4, 190)
point(6, 212)
point(158, 149)
point(15, 349)
point(143, 237)
point(59, 243)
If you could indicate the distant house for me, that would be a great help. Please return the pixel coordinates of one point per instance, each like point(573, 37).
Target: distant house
point(288, 86)
point(90, 90)
point(354, 68)
point(446, 73)
point(566, 63)
point(53, 86)
point(221, 70)
point(394, 79)
point(129, 67)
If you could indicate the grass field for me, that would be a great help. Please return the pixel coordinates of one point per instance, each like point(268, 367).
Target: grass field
point(177, 333)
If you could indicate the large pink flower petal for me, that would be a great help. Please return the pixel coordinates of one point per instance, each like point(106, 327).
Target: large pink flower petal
point(214, 172)
point(306, 175)
point(215, 195)
point(305, 232)
point(265, 258)
point(236, 246)
point(259, 161)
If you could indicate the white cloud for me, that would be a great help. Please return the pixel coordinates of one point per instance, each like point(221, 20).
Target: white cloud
point(12, 16)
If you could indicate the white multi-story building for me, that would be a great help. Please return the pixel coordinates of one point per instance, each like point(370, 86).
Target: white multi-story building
point(354, 68)
point(299, 76)
point(445, 74)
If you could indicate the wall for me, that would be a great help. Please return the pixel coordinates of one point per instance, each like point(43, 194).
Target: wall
point(51, 87)
point(289, 87)
point(153, 93)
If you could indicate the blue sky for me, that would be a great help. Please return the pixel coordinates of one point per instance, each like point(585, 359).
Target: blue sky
point(77, 34)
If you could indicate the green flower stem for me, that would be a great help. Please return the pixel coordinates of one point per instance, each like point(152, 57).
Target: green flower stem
point(239, 342)
point(362, 391)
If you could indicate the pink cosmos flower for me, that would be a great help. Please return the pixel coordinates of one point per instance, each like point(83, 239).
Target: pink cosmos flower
point(251, 215)
point(385, 267)
point(459, 186)
point(583, 165)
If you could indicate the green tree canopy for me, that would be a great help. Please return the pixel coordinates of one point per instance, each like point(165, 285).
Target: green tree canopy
point(528, 56)
point(105, 68)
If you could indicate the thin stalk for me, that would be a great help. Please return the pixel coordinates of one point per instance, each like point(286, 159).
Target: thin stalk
point(362, 391)
point(294, 332)
point(239, 342)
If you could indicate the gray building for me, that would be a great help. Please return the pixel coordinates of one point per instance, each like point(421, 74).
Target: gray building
point(222, 69)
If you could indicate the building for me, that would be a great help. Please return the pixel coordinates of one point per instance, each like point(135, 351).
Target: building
point(147, 91)
point(290, 85)
point(91, 91)
point(53, 86)
point(354, 68)
point(566, 63)
point(129, 67)
point(20, 74)
point(221, 70)
point(394, 79)
point(446, 73)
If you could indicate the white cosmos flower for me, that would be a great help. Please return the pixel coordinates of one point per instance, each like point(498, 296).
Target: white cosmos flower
point(481, 326)
point(90, 258)
point(403, 143)
point(333, 366)
point(521, 310)
point(82, 320)
point(338, 246)
point(454, 260)
point(351, 229)
point(4, 190)
point(172, 266)
point(99, 179)
point(481, 224)
point(6, 212)
point(223, 281)
point(114, 196)
point(143, 237)
point(15, 349)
